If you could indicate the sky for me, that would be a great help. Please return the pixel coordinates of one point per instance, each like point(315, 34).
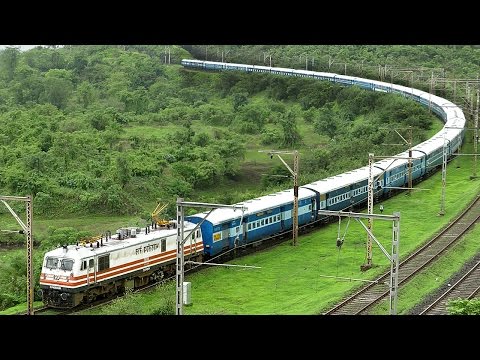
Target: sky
point(22, 47)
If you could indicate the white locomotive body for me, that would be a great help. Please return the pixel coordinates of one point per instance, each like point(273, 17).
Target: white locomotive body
point(132, 258)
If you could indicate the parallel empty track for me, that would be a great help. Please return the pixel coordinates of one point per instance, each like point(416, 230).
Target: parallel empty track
point(362, 301)
point(467, 287)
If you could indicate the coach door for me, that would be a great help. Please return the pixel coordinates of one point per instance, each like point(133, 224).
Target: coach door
point(313, 209)
point(244, 231)
point(282, 217)
point(91, 271)
point(225, 235)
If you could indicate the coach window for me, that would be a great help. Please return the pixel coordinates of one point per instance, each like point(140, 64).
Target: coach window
point(163, 245)
point(103, 262)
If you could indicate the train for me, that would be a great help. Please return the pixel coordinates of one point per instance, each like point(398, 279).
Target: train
point(111, 264)
point(134, 257)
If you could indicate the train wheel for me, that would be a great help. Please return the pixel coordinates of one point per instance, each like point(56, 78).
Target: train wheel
point(157, 276)
point(90, 297)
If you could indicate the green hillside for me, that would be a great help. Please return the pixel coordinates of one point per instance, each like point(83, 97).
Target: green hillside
point(99, 134)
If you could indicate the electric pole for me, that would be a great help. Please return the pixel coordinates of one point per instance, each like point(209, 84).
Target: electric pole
point(27, 230)
point(475, 137)
point(294, 173)
point(370, 188)
point(181, 238)
point(409, 143)
point(410, 183)
point(394, 258)
point(444, 177)
point(368, 265)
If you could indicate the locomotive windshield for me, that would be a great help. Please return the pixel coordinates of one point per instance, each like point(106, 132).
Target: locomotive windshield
point(63, 264)
point(66, 264)
point(52, 263)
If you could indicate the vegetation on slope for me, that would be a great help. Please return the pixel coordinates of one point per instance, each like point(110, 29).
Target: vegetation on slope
point(102, 132)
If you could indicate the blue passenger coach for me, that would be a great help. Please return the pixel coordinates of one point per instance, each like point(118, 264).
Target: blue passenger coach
point(264, 216)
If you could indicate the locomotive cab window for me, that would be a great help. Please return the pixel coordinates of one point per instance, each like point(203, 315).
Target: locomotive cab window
point(103, 262)
point(84, 265)
point(90, 263)
point(163, 245)
point(66, 264)
point(51, 263)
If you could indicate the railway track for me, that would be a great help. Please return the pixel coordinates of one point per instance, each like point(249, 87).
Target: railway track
point(45, 310)
point(362, 301)
point(355, 304)
point(467, 287)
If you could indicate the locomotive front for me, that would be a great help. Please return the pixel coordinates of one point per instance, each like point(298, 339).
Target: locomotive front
point(58, 283)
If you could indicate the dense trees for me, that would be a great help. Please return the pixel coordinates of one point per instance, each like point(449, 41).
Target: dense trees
point(461, 61)
point(92, 127)
point(108, 129)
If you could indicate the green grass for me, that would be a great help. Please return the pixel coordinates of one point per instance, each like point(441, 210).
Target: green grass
point(21, 309)
point(435, 127)
point(297, 280)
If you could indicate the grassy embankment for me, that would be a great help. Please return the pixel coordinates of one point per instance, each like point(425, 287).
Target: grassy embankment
point(297, 280)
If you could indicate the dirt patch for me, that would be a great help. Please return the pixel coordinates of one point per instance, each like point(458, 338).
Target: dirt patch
point(251, 172)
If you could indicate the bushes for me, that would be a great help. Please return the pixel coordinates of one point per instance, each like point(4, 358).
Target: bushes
point(464, 307)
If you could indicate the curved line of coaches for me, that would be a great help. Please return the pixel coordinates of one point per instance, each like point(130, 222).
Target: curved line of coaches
point(225, 229)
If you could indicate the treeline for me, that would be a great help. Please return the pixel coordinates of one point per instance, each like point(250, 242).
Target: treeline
point(67, 129)
point(454, 61)
point(98, 129)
